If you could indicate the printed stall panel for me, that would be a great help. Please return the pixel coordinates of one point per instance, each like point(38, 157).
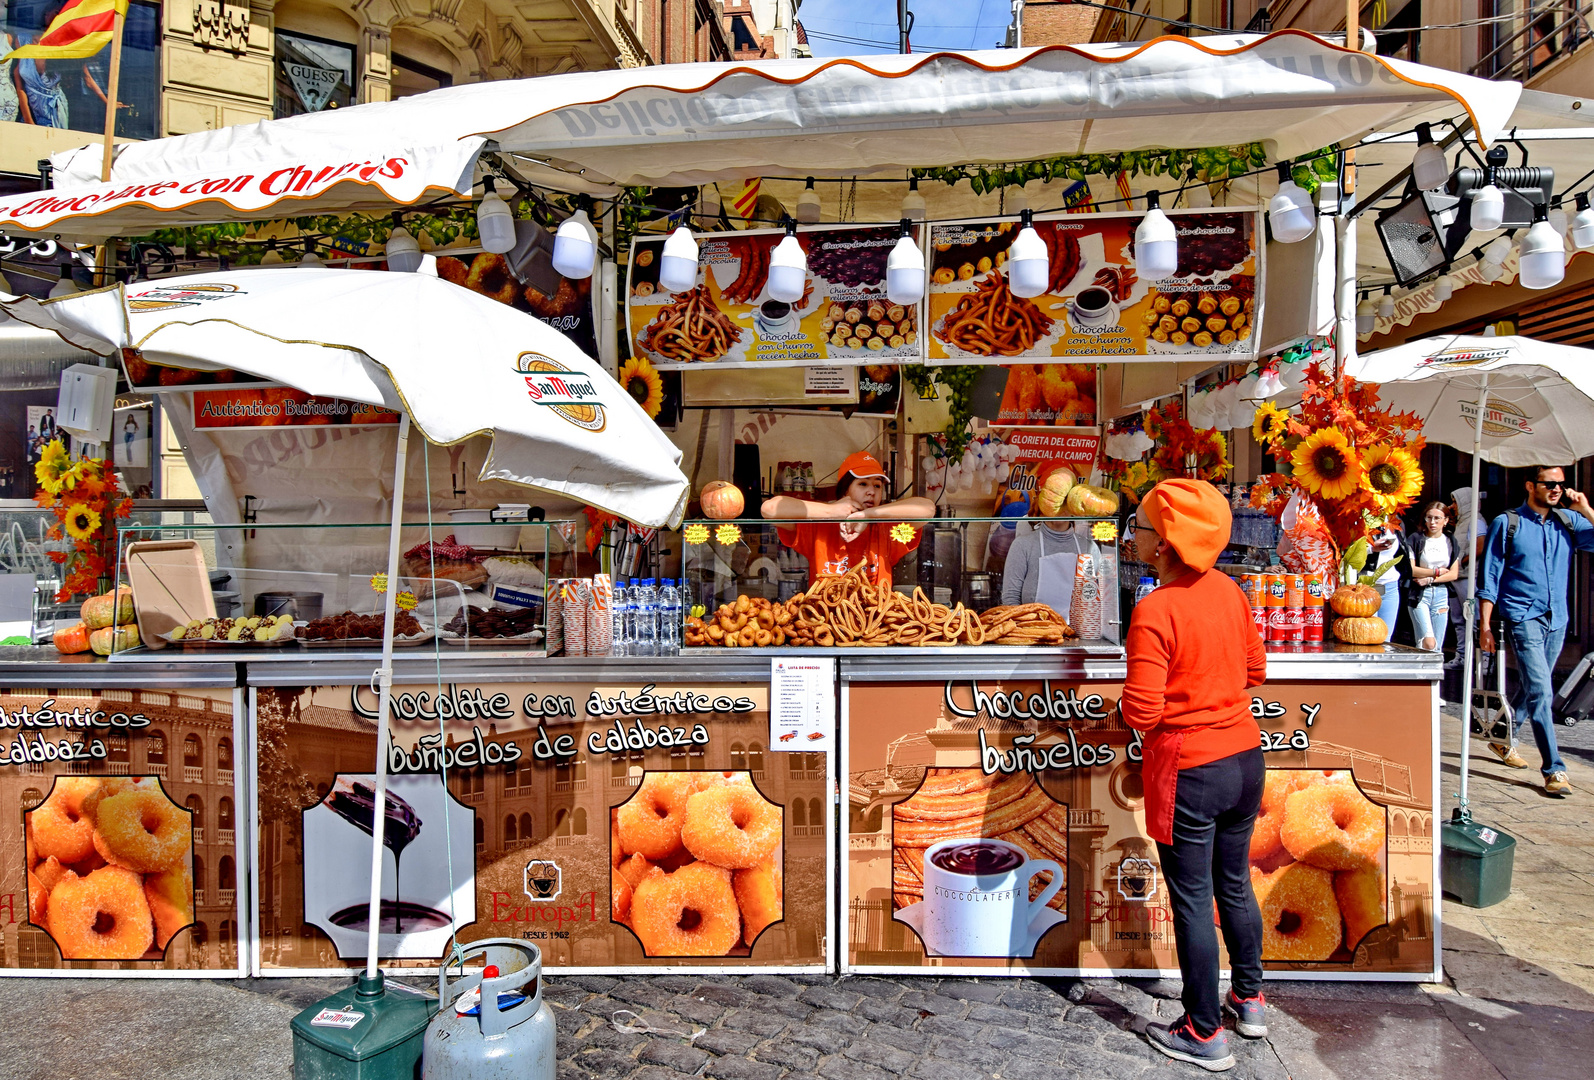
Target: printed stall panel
point(119, 850)
point(618, 826)
point(1000, 826)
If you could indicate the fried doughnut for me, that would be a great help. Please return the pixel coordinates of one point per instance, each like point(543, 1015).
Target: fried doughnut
point(1334, 826)
point(1277, 784)
point(171, 901)
point(616, 852)
point(1361, 901)
point(650, 823)
point(49, 872)
point(635, 870)
point(1300, 917)
point(619, 897)
point(60, 828)
point(761, 895)
point(452, 270)
point(38, 900)
point(732, 826)
point(114, 785)
point(691, 912)
point(104, 916)
point(141, 830)
point(490, 276)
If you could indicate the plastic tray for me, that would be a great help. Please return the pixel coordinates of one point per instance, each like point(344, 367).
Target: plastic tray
point(171, 587)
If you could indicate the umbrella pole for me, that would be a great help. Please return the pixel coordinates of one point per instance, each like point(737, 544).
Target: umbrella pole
point(384, 697)
point(1471, 605)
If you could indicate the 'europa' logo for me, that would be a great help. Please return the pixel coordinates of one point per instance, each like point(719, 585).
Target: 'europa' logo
point(571, 394)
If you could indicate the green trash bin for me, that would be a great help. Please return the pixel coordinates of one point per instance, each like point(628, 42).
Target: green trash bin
point(366, 1032)
point(1475, 866)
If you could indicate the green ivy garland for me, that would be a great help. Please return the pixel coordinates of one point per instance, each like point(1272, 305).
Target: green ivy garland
point(959, 383)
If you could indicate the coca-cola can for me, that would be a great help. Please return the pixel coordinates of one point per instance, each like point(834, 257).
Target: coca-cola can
point(1313, 629)
point(1259, 619)
point(1275, 623)
point(1294, 623)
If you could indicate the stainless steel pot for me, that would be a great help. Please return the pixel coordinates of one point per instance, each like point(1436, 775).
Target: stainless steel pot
point(301, 605)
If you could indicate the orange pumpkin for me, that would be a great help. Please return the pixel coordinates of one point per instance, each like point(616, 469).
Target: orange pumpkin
point(1055, 490)
point(111, 609)
point(1356, 601)
point(1358, 630)
point(74, 639)
point(1086, 500)
point(722, 500)
point(109, 639)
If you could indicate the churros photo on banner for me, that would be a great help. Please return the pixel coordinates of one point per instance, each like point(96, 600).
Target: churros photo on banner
point(1095, 306)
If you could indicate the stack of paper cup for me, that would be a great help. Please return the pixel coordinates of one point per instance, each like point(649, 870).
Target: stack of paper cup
point(1084, 612)
point(600, 627)
point(554, 614)
point(575, 605)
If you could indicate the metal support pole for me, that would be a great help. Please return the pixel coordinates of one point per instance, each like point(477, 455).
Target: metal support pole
point(1471, 604)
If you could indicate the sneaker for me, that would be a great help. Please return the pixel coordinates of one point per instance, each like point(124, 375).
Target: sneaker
point(1508, 756)
point(1250, 1016)
point(1180, 1041)
point(1557, 784)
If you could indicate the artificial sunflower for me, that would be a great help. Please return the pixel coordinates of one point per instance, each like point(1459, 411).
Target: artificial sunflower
point(1392, 476)
point(1326, 464)
point(82, 521)
point(1269, 424)
point(54, 468)
point(641, 380)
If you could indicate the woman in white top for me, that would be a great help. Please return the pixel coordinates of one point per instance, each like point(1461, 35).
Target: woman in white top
point(1040, 564)
point(1385, 545)
point(1435, 563)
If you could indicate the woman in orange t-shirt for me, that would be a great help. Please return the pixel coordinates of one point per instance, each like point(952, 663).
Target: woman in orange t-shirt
point(840, 537)
point(1193, 655)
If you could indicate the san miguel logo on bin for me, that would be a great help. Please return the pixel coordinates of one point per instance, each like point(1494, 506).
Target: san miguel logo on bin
point(544, 880)
point(1501, 419)
point(161, 297)
point(571, 394)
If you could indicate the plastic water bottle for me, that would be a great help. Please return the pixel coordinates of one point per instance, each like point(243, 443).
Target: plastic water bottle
point(669, 619)
point(1146, 587)
point(619, 638)
point(646, 636)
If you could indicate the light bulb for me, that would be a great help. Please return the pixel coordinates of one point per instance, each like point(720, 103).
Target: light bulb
point(272, 257)
point(1291, 213)
point(310, 257)
point(1015, 201)
point(1156, 243)
point(495, 222)
point(1498, 250)
point(1429, 170)
point(65, 286)
point(1542, 256)
point(1488, 207)
point(1444, 288)
point(575, 246)
point(403, 251)
point(1583, 223)
point(1028, 268)
point(905, 269)
point(678, 265)
point(1557, 219)
point(913, 207)
point(788, 268)
point(1366, 316)
point(1490, 331)
point(808, 204)
point(1197, 196)
point(1490, 271)
point(1386, 306)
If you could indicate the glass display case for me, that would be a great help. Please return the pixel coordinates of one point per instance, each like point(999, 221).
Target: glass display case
point(1069, 564)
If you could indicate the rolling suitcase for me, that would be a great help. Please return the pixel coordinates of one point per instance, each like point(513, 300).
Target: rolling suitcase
point(1574, 700)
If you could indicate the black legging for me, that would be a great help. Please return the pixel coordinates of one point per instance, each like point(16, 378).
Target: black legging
point(1214, 811)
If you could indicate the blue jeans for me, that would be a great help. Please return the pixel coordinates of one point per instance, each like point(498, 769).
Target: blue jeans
point(1388, 606)
point(1430, 616)
point(1537, 647)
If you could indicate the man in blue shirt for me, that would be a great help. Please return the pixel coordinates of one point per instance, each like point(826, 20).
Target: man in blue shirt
point(1525, 575)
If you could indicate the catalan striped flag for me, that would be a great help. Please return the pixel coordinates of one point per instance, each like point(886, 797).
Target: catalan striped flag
point(81, 30)
point(746, 200)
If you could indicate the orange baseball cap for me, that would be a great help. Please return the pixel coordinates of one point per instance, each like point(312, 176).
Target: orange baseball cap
point(863, 465)
point(1193, 516)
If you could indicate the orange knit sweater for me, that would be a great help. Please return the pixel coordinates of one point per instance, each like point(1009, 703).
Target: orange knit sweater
point(1193, 653)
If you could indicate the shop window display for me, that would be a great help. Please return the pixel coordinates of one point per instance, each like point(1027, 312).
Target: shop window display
point(312, 74)
point(71, 93)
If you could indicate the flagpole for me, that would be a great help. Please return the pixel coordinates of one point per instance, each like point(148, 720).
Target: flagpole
point(111, 91)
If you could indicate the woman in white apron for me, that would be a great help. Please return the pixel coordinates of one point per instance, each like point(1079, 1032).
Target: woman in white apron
point(1041, 563)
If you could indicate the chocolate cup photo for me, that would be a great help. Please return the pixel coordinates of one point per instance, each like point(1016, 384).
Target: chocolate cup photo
point(976, 899)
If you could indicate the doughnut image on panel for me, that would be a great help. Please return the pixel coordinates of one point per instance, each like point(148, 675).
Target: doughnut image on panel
point(977, 863)
point(110, 867)
point(1318, 865)
point(696, 863)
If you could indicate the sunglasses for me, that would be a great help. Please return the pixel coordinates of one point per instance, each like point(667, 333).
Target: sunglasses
point(1551, 484)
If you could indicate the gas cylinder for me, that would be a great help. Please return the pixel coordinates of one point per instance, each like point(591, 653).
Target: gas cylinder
point(493, 1022)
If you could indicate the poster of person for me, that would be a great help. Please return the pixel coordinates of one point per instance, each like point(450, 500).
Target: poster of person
point(42, 431)
point(1095, 306)
point(729, 318)
point(130, 438)
point(1001, 825)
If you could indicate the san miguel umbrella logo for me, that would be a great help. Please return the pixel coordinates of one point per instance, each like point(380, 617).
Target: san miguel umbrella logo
point(1465, 358)
point(163, 297)
point(571, 394)
point(1501, 419)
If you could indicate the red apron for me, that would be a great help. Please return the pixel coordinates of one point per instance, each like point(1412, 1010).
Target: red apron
point(1159, 773)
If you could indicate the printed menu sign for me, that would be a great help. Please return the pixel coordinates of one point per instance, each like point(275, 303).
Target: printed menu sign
point(1095, 306)
point(729, 319)
point(802, 703)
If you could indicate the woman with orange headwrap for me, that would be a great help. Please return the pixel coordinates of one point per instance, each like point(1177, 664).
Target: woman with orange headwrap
point(1193, 654)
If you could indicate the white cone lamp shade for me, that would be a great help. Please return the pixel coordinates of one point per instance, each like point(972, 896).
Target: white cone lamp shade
point(1490, 271)
point(1015, 201)
point(403, 251)
point(808, 204)
point(65, 286)
point(1156, 243)
point(913, 207)
point(310, 257)
point(1558, 219)
point(1197, 196)
point(1386, 306)
point(1488, 207)
point(678, 265)
point(1498, 251)
point(575, 246)
point(905, 270)
point(1028, 268)
point(1542, 260)
point(1366, 316)
point(1291, 213)
point(1429, 170)
point(495, 222)
point(1583, 224)
point(272, 257)
point(1444, 288)
point(788, 270)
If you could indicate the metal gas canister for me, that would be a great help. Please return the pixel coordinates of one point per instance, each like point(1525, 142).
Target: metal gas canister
point(492, 1023)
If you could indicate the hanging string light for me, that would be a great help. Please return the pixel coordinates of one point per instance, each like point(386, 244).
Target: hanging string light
point(678, 264)
point(1488, 204)
point(575, 246)
point(1386, 306)
point(1444, 288)
point(1291, 214)
point(272, 257)
point(1156, 242)
point(1028, 268)
point(1541, 258)
point(310, 257)
point(913, 207)
point(1429, 170)
point(788, 267)
point(403, 250)
point(905, 269)
point(1366, 315)
point(495, 222)
point(808, 204)
point(1583, 223)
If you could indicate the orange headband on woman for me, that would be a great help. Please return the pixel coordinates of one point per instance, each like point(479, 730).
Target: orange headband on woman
point(1193, 516)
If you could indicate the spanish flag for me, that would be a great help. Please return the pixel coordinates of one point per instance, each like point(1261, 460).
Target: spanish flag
point(81, 30)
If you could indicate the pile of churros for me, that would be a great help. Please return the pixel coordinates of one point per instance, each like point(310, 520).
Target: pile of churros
point(991, 321)
point(848, 610)
point(690, 328)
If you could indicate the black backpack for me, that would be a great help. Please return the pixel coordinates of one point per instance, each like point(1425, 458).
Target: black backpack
point(1557, 515)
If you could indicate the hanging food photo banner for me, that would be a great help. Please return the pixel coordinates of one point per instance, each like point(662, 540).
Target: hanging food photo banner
point(254, 406)
point(729, 318)
point(1095, 306)
point(620, 827)
point(1010, 835)
point(124, 858)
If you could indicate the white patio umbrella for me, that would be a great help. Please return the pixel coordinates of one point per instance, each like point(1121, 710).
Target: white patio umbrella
point(454, 363)
point(1512, 401)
